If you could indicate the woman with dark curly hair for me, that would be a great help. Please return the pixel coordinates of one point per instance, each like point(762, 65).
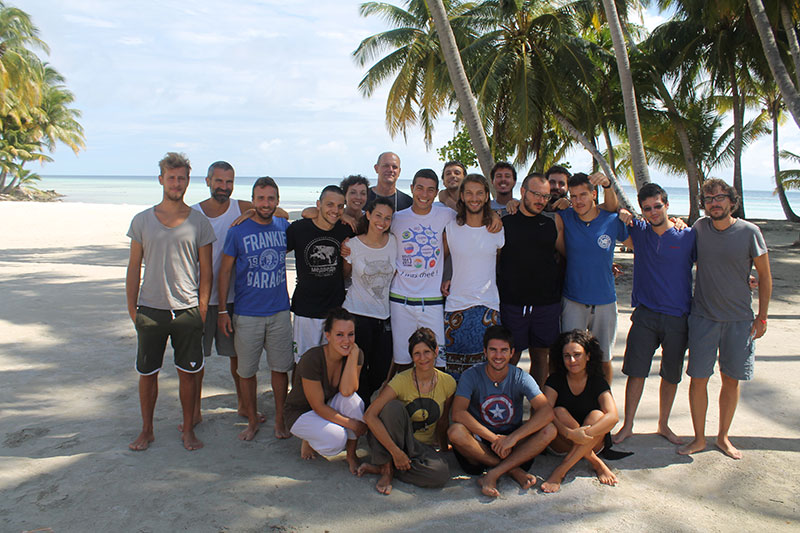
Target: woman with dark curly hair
point(582, 404)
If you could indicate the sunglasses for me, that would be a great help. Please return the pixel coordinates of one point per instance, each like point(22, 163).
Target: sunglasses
point(715, 198)
point(656, 207)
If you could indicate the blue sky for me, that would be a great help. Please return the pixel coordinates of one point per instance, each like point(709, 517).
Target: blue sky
point(268, 85)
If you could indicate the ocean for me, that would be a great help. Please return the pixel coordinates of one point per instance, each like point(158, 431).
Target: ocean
point(297, 193)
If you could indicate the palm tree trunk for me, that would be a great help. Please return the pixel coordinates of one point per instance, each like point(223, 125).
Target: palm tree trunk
point(791, 36)
point(598, 158)
point(638, 158)
point(788, 90)
point(776, 163)
point(609, 144)
point(466, 100)
point(738, 120)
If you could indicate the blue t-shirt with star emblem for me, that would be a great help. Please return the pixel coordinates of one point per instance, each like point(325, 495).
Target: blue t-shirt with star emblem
point(498, 408)
point(590, 253)
point(260, 252)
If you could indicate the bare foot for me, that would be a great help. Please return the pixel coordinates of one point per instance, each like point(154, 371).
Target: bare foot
point(488, 487)
point(353, 463)
point(384, 484)
point(197, 420)
point(367, 468)
point(668, 434)
point(525, 479)
point(604, 474)
point(142, 442)
point(551, 486)
point(191, 442)
point(622, 434)
point(280, 431)
point(306, 451)
point(248, 433)
point(697, 445)
point(261, 418)
point(725, 446)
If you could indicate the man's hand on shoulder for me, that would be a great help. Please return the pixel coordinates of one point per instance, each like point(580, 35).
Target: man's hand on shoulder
point(512, 206)
point(497, 224)
point(244, 216)
point(281, 213)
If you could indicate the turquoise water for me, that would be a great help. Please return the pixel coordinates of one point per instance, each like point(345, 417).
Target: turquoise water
point(297, 193)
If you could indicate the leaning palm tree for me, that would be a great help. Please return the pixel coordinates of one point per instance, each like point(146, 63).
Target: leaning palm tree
point(790, 179)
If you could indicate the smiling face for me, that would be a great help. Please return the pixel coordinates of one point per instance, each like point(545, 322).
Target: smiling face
point(175, 182)
point(558, 185)
point(503, 181)
point(423, 192)
point(583, 198)
point(330, 207)
point(381, 218)
point(356, 196)
point(498, 354)
point(452, 177)
point(474, 197)
point(575, 358)
point(220, 184)
point(423, 357)
point(341, 337)
point(265, 201)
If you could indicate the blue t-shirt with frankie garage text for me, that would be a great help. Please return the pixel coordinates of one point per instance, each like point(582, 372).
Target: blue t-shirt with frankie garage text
point(260, 252)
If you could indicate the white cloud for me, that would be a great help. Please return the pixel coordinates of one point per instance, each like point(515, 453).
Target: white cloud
point(90, 21)
point(130, 41)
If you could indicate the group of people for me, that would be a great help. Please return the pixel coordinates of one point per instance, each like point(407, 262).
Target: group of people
point(410, 314)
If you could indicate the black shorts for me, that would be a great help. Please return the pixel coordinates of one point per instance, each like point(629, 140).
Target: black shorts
point(184, 328)
point(649, 329)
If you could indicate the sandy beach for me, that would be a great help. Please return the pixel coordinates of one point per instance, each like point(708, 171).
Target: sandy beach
point(69, 407)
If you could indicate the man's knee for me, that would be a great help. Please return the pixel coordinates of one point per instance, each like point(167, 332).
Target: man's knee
point(729, 382)
point(548, 433)
point(458, 433)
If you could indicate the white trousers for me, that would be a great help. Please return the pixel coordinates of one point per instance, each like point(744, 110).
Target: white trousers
point(323, 435)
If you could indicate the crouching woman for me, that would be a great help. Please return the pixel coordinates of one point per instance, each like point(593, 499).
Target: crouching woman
point(323, 408)
point(407, 418)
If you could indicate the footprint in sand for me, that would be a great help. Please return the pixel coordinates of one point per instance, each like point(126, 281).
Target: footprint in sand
point(18, 438)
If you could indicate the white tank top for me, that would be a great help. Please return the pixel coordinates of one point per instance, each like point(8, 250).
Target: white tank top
point(220, 225)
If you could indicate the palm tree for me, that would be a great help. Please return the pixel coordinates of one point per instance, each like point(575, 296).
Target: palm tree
point(790, 179)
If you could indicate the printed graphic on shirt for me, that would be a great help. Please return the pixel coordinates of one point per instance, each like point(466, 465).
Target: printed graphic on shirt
point(322, 256)
point(604, 241)
point(428, 411)
point(421, 248)
point(497, 410)
point(377, 276)
point(266, 269)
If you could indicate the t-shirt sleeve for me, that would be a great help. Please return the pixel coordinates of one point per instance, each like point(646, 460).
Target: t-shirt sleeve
point(622, 230)
point(758, 246)
point(230, 242)
point(400, 385)
point(500, 238)
point(135, 230)
point(449, 384)
point(205, 232)
point(529, 387)
point(552, 382)
point(310, 365)
point(290, 236)
point(600, 385)
point(466, 384)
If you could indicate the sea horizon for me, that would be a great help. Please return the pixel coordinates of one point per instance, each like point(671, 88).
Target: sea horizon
point(299, 192)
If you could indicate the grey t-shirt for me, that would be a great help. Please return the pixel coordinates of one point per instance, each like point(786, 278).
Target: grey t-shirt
point(171, 257)
point(724, 261)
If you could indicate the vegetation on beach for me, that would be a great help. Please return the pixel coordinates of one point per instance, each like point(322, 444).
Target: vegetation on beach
point(545, 75)
point(35, 106)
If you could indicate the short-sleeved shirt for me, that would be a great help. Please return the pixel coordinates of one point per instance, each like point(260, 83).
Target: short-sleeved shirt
point(399, 199)
point(424, 409)
point(373, 270)
point(527, 273)
point(171, 258)
point(474, 254)
point(260, 252)
point(578, 405)
point(318, 260)
point(662, 268)
point(724, 261)
point(590, 253)
point(313, 367)
point(420, 255)
point(498, 408)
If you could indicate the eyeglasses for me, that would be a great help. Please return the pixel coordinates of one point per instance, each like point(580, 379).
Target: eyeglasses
point(535, 194)
point(656, 207)
point(716, 198)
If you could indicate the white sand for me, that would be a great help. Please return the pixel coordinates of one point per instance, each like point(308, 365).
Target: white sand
point(69, 408)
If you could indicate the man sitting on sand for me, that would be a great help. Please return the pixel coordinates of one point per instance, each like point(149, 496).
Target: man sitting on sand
point(174, 241)
point(261, 321)
point(487, 429)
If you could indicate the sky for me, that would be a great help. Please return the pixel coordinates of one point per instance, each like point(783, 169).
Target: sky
point(268, 85)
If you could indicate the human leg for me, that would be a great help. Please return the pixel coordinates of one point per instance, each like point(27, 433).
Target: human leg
point(578, 452)
point(728, 400)
point(633, 393)
point(307, 333)
point(673, 352)
point(698, 405)
point(524, 451)
point(352, 407)
point(704, 340)
point(248, 338)
point(603, 325)
point(513, 318)
point(187, 385)
point(544, 325)
point(666, 397)
point(152, 331)
point(148, 392)
point(277, 343)
point(249, 387)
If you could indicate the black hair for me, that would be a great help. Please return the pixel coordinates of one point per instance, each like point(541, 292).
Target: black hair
point(425, 173)
point(331, 188)
point(650, 190)
point(557, 169)
point(354, 179)
point(425, 336)
point(363, 223)
point(265, 181)
point(503, 164)
point(500, 333)
point(590, 345)
point(337, 313)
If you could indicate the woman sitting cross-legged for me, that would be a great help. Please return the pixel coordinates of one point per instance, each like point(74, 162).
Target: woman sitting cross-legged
point(407, 417)
point(582, 404)
point(323, 408)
